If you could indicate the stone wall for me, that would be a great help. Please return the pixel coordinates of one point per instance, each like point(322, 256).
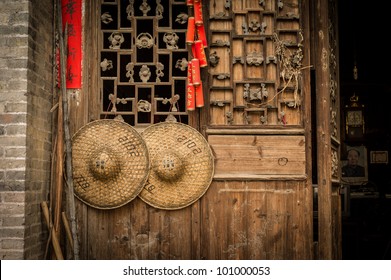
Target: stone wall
point(26, 32)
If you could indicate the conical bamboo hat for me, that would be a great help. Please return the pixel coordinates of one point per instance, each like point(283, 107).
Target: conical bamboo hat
point(110, 163)
point(182, 165)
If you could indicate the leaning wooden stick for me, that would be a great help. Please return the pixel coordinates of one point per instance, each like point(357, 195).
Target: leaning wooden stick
point(59, 182)
point(67, 229)
point(68, 144)
point(55, 242)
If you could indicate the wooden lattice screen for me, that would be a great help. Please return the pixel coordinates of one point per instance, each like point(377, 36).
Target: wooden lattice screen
point(143, 60)
point(255, 62)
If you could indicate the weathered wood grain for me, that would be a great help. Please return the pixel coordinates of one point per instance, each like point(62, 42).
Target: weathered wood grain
point(258, 155)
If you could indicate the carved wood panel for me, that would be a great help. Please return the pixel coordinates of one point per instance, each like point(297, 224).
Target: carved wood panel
point(143, 60)
point(255, 62)
point(334, 93)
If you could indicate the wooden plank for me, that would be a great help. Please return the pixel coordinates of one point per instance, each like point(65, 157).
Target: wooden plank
point(159, 234)
point(255, 220)
point(180, 234)
point(237, 240)
point(139, 230)
point(257, 225)
point(337, 225)
point(82, 225)
point(213, 223)
point(258, 155)
point(119, 229)
point(303, 200)
point(196, 229)
point(98, 234)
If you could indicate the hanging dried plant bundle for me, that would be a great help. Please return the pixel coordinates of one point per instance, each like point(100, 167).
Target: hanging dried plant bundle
point(290, 63)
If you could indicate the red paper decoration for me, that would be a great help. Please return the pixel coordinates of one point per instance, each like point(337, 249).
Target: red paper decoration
point(198, 13)
point(189, 75)
point(201, 35)
point(200, 53)
point(197, 40)
point(72, 15)
point(195, 72)
point(199, 96)
point(190, 30)
point(191, 102)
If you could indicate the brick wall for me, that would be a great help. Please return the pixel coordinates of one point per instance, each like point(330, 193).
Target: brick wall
point(25, 125)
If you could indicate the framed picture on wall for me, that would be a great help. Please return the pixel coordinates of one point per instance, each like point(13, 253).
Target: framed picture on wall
point(379, 157)
point(354, 170)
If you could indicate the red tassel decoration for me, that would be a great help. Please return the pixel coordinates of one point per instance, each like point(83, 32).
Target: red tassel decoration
point(190, 30)
point(199, 96)
point(190, 2)
point(195, 72)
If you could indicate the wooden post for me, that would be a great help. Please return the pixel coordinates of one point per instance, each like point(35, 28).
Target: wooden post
point(68, 144)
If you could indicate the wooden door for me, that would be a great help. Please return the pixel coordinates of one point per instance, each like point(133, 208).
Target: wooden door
point(259, 205)
point(257, 120)
point(327, 129)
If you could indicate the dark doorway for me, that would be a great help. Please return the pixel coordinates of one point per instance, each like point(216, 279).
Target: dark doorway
point(363, 31)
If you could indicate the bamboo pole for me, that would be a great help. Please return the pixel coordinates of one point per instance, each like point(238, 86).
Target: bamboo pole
point(67, 229)
point(59, 185)
point(52, 190)
point(68, 144)
point(55, 242)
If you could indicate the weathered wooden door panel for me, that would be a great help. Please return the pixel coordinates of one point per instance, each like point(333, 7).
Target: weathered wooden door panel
point(234, 220)
point(139, 231)
point(255, 220)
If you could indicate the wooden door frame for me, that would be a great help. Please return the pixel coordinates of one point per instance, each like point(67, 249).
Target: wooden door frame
point(329, 208)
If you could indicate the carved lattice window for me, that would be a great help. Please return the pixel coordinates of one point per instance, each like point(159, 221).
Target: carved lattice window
point(143, 60)
point(255, 54)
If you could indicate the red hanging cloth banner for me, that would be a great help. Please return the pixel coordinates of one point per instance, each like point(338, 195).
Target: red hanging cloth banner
point(72, 15)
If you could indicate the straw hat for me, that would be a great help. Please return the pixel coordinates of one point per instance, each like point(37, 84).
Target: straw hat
point(110, 163)
point(182, 165)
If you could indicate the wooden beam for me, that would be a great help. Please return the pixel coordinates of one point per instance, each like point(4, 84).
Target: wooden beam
point(322, 53)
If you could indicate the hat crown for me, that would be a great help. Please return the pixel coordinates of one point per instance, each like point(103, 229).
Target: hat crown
point(169, 166)
point(104, 164)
